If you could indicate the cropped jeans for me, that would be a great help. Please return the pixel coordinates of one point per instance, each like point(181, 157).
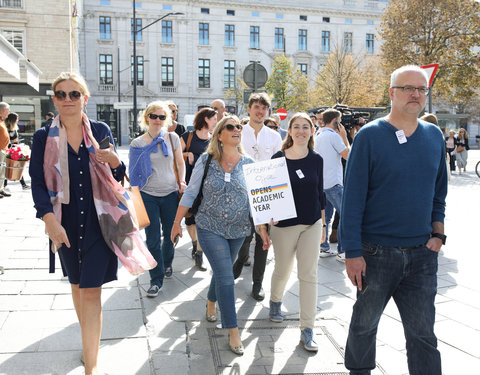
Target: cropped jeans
point(410, 277)
point(334, 197)
point(161, 212)
point(221, 253)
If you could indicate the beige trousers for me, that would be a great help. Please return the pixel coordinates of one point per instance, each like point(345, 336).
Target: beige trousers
point(302, 241)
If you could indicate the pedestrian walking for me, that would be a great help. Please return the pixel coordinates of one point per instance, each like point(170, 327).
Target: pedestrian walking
point(222, 218)
point(392, 225)
point(11, 122)
point(462, 150)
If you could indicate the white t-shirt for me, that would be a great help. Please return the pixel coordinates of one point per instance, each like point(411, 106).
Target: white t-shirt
point(264, 145)
point(329, 145)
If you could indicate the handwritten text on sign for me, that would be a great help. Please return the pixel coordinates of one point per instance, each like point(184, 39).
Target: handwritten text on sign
point(269, 191)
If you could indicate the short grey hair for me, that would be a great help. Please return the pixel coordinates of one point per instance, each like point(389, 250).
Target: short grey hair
point(4, 105)
point(407, 68)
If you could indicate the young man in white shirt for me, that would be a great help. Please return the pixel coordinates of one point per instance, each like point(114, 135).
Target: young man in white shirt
point(260, 143)
point(332, 144)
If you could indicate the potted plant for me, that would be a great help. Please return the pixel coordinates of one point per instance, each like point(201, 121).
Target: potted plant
point(15, 160)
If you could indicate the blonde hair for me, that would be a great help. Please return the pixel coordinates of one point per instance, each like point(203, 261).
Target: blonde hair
point(466, 134)
point(215, 147)
point(152, 107)
point(75, 77)
point(288, 142)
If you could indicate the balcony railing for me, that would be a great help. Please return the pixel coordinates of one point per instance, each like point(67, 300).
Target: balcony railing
point(13, 4)
point(168, 89)
point(107, 87)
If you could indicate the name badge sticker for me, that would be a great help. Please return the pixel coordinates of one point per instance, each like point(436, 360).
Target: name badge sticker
point(300, 173)
point(401, 136)
point(227, 177)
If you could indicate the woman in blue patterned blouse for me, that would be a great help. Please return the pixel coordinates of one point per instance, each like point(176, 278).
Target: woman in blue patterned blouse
point(222, 218)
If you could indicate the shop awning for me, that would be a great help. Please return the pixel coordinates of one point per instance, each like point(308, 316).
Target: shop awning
point(10, 60)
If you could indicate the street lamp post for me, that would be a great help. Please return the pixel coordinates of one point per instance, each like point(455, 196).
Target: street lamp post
point(135, 67)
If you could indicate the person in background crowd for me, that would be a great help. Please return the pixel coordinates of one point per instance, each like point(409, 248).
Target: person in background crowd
point(4, 141)
point(152, 170)
point(392, 226)
point(194, 143)
point(260, 143)
point(222, 218)
point(219, 106)
point(174, 125)
point(72, 183)
point(11, 122)
point(332, 145)
point(320, 124)
point(432, 119)
point(299, 237)
point(462, 150)
point(276, 118)
point(451, 144)
point(48, 119)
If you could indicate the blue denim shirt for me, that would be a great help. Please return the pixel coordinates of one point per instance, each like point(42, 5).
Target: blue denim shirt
point(224, 209)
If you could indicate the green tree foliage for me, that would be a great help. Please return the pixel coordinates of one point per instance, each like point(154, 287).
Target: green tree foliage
point(446, 32)
point(287, 86)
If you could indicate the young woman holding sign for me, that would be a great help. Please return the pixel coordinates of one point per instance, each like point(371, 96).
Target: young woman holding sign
point(299, 237)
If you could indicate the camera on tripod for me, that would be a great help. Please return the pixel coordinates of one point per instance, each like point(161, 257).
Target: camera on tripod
point(351, 118)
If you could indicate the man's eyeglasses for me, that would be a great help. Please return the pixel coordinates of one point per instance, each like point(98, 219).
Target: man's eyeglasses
point(153, 116)
point(231, 127)
point(410, 89)
point(73, 95)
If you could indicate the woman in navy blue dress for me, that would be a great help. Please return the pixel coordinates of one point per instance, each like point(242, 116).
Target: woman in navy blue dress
point(85, 256)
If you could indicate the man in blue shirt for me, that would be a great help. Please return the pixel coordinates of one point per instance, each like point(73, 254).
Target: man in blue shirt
point(392, 225)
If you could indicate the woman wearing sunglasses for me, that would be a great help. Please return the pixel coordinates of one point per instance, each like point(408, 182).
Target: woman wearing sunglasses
point(151, 168)
point(76, 194)
point(222, 218)
point(299, 237)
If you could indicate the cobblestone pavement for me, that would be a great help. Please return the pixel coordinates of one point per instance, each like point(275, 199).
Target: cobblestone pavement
point(39, 333)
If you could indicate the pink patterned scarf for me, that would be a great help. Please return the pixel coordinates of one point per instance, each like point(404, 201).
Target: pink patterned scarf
point(114, 207)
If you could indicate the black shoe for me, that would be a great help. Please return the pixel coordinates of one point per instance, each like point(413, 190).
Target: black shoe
point(199, 260)
point(257, 292)
point(5, 193)
point(237, 269)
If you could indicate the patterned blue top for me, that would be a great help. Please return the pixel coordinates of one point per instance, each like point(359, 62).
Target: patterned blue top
point(224, 209)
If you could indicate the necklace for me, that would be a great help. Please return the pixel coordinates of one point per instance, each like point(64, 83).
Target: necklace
point(151, 135)
point(230, 165)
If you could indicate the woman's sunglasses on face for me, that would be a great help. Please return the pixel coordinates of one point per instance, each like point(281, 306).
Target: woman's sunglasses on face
point(274, 127)
point(153, 116)
point(73, 95)
point(231, 127)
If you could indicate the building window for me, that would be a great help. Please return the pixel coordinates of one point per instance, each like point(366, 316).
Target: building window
point(228, 74)
point(167, 71)
point(167, 34)
point(203, 32)
point(303, 18)
point(370, 43)
point(279, 38)
point(105, 28)
point(303, 68)
point(230, 12)
point(139, 70)
point(106, 70)
point(14, 4)
point(325, 41)
point(15, 38)
point(255, 14)
point(279, 16)
point(205, 10)
point(369, 22)
point(230, 35)
point(107, 114)
point(326, 19)
point(204, 73)
point(167, 7)
point(348, 21)
point(347, 42)
point(138, 28)
point(254, 36)
point(302, 40)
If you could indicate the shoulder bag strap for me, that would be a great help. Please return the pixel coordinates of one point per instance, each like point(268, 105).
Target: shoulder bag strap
point(189, 141)
point(205, 171)
point(175, 170)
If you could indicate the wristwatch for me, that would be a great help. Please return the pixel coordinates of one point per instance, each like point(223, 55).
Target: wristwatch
point(441, 236)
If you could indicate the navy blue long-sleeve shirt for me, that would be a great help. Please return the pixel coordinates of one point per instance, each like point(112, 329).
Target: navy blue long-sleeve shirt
point(393, 192)
point(307, 190)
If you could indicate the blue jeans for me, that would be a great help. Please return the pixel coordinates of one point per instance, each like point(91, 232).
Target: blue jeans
point(221, 253)
point(334, 197)
point(410, 277)
point(161, 211)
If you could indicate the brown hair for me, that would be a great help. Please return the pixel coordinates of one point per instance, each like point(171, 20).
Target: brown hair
point(259, 97)
point(430, 117)
point(288, 142)
point(329, 115)
point(12, 121)
point(199, 120)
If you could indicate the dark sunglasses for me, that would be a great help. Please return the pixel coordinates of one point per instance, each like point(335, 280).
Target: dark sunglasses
point(273, 127)
point(73, 95)
point(153, 116)
point(231, 127)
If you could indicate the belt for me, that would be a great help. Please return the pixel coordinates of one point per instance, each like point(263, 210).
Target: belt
point(410, 247)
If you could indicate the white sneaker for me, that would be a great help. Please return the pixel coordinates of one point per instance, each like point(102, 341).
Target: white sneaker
point(341, 257)
point(327, 253)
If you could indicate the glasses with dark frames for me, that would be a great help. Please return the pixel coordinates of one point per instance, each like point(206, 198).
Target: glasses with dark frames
point(153, 116)
point(231, 127)
point(73, 95)
point(274, 127)
point(410, 89)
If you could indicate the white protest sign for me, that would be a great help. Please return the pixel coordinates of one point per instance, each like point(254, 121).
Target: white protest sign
point(269, 191)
